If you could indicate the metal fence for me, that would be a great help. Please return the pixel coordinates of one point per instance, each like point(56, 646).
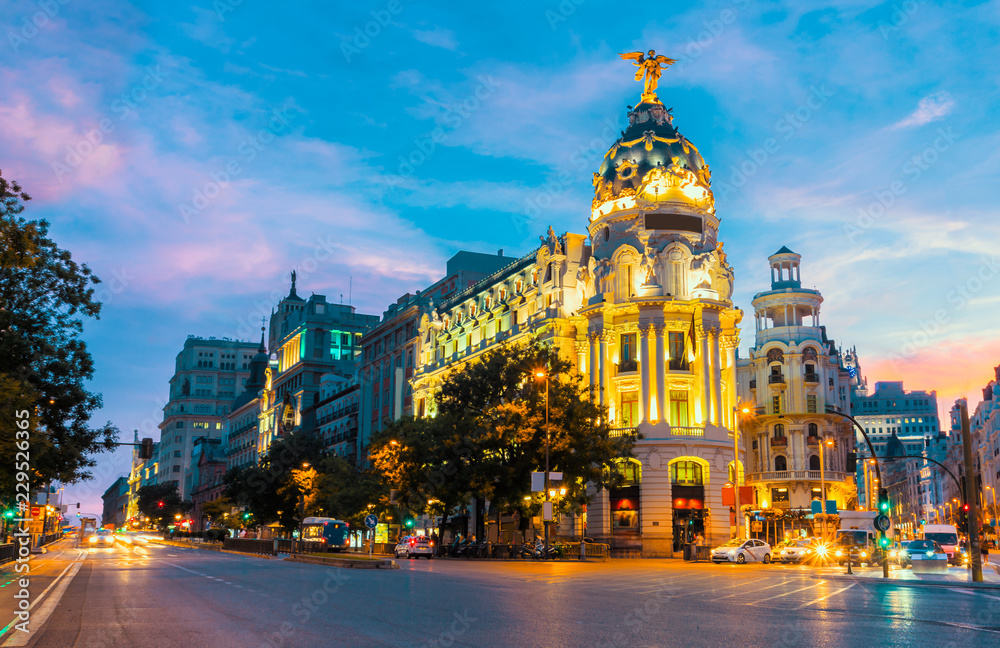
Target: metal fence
point(249, 545)
point(46, 539)
point(7, 553)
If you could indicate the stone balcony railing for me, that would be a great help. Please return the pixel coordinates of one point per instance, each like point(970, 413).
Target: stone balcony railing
point(795, 475)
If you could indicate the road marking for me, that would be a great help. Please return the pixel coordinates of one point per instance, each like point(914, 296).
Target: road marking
point(761, 589)
point(786, 593)
point(39, 618)
point(823, 598)
point(973, 593)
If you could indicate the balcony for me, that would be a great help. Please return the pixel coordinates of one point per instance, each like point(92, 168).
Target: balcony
point(795, 475)
point(812, 440)
point(628, 366)
point(779, 441)
point(687, 430)
point(811, 378)
point(678, 364)
point(614, 433)
point(776, 379)
point(753, 384)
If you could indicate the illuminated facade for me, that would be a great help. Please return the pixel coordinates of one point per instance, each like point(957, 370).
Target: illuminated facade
point(793, 375)
point(642, 304)
point(307, 339)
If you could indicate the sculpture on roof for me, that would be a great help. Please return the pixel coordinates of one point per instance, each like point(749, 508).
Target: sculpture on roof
point(650, 66)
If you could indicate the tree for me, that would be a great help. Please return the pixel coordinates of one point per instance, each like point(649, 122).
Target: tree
point(44, 294)
point(344, 490)
point(219, 511)
point(161, 503)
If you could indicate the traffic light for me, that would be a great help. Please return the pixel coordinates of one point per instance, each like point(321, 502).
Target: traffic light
point(883, 501)
point(8, 514)
point(409, 523)
point(965, 515)
point(883, 541)
point(159, 504)
point(246, 516)
point(146, 449)
point(852, 462)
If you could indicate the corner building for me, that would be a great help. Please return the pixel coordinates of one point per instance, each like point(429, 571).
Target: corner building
point(643, 306)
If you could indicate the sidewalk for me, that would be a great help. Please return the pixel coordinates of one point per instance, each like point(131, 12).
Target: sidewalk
point(955, 576)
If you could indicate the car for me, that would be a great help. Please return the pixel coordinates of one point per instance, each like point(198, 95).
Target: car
point(796, 550)
point(415, 547)
point(742, 551)
point(134, 538)
point(925, 551)
point(102, 538)
point(899, 554)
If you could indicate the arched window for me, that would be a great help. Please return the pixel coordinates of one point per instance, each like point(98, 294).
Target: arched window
point(779, 431)
point(814, 462)
point(686, 473)
point(780, 463)
point(813, 430)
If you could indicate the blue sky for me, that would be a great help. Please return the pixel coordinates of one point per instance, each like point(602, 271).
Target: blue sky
point(193, 155)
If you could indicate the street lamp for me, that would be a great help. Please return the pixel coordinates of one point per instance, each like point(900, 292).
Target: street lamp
point(736, 469)
point(822, 482)
point(540, 374)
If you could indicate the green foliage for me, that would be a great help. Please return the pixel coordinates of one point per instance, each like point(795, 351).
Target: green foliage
point(44, 365)
point(150, 497)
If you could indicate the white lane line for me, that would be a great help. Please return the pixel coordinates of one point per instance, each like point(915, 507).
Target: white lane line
point(786, 593)
point(823, 598)
point(973, 592)
point(760, 589)
point(39, 618)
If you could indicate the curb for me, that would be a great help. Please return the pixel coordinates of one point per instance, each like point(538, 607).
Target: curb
point(345, 563)
point(181, 545)
point(878, 580)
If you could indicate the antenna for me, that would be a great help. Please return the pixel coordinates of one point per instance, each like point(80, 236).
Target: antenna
point(350, 287)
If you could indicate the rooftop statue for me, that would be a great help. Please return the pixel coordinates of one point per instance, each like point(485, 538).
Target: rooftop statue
point(651, 67)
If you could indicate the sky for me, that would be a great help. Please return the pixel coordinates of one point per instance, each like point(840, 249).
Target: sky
point(193, 155)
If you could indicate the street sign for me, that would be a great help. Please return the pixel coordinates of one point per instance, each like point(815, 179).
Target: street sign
point(882, 522)
point(371, 521)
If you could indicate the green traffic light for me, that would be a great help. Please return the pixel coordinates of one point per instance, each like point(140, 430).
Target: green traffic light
point(409, 523)
point(9, 514)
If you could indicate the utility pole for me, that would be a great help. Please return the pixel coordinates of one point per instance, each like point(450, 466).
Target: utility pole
point(975, 559)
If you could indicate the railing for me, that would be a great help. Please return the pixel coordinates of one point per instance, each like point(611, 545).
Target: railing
point(779, 441)
point(249, 545)
point(811, 378)
point(622, 431)
point(776, 379)
point(678, 364)
point(628, 366)
point(7, 553)
point(795, 475)
point(686, 430)
point(46, 539)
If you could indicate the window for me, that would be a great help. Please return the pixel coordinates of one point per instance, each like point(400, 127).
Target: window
point(203, 379)
point(631, 471)
point(176, 469)
point(200, 425)
point(678, 408)
point(678, 358)
point(814, 462)
point(686, 473)
point(178, 439)
point(628, 350)
point(779, 431)
point(779, 494)
point(813, 430)
point(177, 454)
point(780, 463)
point(811, 404)
point(630, 409)
point(179, 424)
point(776, 404)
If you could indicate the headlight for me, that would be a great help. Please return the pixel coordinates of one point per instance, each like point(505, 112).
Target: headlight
point(93, 540)
point(930, 554)
point(840, 552)
point(864, 554)
point(893, 553)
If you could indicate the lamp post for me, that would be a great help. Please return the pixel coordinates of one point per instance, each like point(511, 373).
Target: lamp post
point(822, 482)
point(301, 479)
point(736, 468)
point(545, 523)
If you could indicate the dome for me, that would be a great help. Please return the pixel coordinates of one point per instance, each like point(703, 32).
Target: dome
point(894, 447)
point(653, 158)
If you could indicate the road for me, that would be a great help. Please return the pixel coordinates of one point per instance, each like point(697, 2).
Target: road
point(160, 597)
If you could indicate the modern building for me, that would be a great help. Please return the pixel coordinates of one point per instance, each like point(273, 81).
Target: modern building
point(796, 382)
point(642, 305)
point(911, 416)
point(115, 498)
point(389, 348)
point(308, 339)
point(208, 374)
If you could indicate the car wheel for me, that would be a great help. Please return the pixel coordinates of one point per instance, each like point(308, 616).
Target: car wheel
point(767, 558)
point(741, 559)
point(429, 556)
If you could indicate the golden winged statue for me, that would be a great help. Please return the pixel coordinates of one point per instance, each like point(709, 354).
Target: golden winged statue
point(651, 65)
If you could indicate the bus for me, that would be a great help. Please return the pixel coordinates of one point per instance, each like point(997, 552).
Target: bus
point(330, 534)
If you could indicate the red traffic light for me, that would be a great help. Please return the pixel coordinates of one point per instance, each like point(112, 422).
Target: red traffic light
point(965, 507)
point(159, 504)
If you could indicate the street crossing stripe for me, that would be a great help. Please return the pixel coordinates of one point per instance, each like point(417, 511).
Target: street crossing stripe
point(823, 598)
point(786, 593)
point(761, 589)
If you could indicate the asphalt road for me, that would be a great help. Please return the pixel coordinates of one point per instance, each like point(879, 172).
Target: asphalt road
point(160, 597)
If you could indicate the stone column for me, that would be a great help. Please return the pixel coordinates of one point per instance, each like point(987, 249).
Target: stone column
point(644, 413)
point(661, 373)
point(593, 367)
point(716, 376)
point(601, 369)
point(706, 374)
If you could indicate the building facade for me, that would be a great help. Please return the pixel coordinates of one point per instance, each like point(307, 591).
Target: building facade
point(241, 425)
point(645, 311)
point(208, 374)
point(115, 514)
point(984, 424)
point(205, 479)
point(793, 374)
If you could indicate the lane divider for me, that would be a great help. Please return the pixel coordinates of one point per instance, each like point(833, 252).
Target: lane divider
point(39, 618)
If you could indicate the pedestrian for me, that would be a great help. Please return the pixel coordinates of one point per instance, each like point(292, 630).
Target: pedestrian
point(984, 549)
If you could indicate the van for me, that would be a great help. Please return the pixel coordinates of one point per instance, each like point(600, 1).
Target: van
point(945, 535)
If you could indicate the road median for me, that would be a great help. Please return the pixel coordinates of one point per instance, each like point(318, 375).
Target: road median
point(346, 562)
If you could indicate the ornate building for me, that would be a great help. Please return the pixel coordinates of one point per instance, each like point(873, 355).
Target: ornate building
point(643, 305)
point(796, 381)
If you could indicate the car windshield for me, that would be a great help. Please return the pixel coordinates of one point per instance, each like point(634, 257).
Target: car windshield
point(734, 543)
point(942, 538)
point(858, 537)
point(921, 545)
point(803, 543)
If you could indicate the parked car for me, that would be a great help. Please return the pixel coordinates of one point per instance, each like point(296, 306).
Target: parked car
point(741, 551)
point(414, 547)
point(794, 551)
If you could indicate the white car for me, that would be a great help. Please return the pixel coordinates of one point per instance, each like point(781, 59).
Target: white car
point(414, 547)
point(742, 551)
point(797, 550)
